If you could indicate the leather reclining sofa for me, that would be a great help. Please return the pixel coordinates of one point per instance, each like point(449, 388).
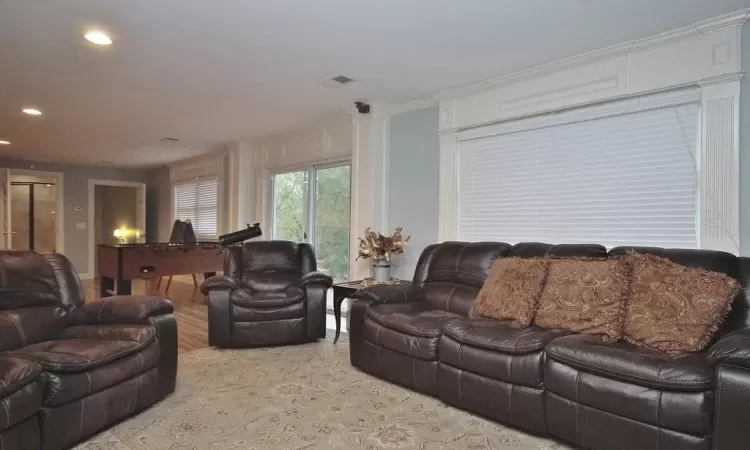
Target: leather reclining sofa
point(69, 370)
point(574, 388)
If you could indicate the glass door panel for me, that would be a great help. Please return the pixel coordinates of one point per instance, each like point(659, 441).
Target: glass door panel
point(290, 206)
point(45, 217)
point(20, 215)
point(331, 220)
point(5, 229)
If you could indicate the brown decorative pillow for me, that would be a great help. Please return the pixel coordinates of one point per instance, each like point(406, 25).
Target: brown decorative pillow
point(511, 292)
point(673, 308)
point(585, 296)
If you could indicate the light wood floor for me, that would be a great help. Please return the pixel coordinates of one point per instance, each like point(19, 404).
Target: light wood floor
point(189, 304)
point(190, 308)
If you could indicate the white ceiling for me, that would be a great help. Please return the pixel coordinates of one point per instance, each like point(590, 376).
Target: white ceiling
point(209, 71)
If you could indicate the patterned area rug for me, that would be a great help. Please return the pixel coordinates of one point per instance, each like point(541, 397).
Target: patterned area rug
point(300, 397)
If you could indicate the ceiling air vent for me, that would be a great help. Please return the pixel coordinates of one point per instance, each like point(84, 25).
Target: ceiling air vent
point(337, 82)
point(343, 79)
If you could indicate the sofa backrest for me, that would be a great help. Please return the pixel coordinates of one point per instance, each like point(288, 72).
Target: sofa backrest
point(452, 273)
point(269, 265)
point(36, 292)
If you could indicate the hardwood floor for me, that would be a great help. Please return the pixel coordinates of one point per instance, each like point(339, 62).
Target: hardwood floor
point(190, 308)
point(189, 304)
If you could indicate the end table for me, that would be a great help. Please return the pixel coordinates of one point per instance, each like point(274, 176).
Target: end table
point(346, 290)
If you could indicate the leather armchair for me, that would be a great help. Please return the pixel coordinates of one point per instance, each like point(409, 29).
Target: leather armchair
point(270, 294)
point(69, 370)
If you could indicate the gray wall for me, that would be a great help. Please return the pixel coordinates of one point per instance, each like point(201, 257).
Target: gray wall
point(158, 205)
point(745, 144)
point(75, 193)
point(414, 167)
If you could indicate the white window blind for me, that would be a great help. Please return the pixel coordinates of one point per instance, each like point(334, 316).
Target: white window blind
point(198, 201)
point(628, 179)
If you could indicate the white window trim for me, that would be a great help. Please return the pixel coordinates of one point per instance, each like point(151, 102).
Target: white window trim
point(219, 204)
point(708, 62)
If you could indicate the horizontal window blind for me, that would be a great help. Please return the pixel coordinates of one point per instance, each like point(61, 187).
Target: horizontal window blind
point(198, 202)
point(629, 179)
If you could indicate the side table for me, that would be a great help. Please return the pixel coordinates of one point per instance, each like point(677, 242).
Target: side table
point(342, 291)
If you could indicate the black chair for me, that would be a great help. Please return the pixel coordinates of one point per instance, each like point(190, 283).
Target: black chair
point(270, 294)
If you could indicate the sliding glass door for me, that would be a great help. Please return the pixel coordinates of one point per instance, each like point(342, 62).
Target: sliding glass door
point(313, 206)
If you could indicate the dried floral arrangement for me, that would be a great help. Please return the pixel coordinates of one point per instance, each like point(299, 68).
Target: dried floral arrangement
point(377, 246)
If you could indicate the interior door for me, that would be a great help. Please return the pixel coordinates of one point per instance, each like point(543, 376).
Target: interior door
point(5, 240)
point(291, 206)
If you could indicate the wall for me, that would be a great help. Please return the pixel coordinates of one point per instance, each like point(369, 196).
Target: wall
point(75, 194)
point(158, 205)
point(745, 143)
point(413, 183)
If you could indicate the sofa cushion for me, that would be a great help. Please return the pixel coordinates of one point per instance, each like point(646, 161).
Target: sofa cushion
point(499, 337)
point(585, 296)
point(630, 363)
point(410, 328)
point(76, 355)
point(673, 308)
point(511, 292)
point(65, 387)
point(452, 273)
point(26, 280)
point(25, 326)
point(21, 390)
point(242, 313)
point(267, 299)
point(496, 350)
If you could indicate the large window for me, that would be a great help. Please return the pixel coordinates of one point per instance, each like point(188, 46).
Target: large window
point(313, 205)
point(624, 178)
point(198, 201)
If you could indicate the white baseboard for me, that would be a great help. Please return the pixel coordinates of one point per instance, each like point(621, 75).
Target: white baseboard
point(86, 276)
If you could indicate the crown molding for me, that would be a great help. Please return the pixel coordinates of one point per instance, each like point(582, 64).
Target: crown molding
point(693, 30)
point(412, 106)
point(726, 78)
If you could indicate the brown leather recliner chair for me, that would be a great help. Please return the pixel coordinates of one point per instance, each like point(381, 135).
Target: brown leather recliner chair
point(69, 370)
point(573, 387)
point(270, 294)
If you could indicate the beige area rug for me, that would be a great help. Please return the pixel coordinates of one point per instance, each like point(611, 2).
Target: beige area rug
point(300, 397)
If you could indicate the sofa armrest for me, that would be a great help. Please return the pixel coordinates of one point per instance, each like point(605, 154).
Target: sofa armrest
point(391, 293)
point(219, 282)
point(732, 349)
point(317, 278)
point(121, 309)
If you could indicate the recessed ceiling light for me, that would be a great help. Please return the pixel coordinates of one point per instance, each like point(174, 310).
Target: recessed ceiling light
point(4, 142)
point(98, 37)
point(32, 111)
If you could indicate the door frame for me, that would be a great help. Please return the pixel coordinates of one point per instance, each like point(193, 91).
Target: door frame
point(59, 197)
point(93, 183)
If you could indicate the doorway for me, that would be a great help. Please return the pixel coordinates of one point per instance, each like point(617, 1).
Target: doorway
point(31, 210)
point(116, 216)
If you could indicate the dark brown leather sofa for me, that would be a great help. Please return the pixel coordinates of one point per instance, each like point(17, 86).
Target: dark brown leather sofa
point(270, 294)
point(69, 370)
point(549, 382)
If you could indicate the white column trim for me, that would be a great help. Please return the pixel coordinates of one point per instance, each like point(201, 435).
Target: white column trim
point(448, 182)
point(719, 210)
